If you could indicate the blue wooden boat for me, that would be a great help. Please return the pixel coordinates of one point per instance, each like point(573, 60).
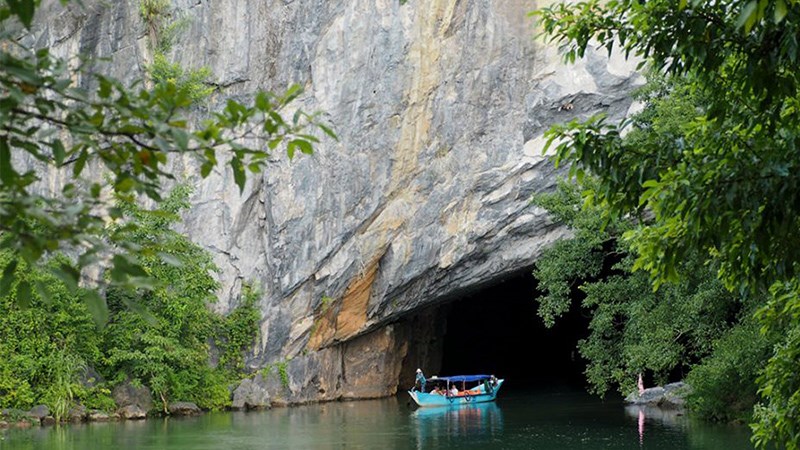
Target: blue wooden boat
point(483, 388)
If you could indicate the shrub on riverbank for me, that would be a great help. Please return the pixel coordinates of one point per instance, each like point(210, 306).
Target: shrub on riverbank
point(45, 346)
point(160, 338)
point(724, 383)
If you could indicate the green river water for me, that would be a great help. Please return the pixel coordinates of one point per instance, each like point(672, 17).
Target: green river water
point(517, 420)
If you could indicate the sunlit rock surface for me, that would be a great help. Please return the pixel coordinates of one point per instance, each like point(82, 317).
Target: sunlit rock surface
point(440, 107)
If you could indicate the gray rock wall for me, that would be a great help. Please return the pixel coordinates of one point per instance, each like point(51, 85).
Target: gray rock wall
point(439, 105)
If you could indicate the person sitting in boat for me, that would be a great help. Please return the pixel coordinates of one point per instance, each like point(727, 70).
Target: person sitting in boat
point(420, 381)
point(437, 390)
point(454, 390)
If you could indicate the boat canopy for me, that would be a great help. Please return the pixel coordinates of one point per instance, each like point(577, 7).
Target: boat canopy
point(456, 378)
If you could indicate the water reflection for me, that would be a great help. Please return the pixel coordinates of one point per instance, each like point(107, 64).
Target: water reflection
point(652, 422)
point(647, 416)
point(541, 421)
point(439, 426)
point(674, 418)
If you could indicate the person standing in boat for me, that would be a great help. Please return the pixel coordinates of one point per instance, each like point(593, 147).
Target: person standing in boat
point(420, 381)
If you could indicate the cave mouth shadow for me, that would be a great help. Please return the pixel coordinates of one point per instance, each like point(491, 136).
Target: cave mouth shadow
point(496, 330)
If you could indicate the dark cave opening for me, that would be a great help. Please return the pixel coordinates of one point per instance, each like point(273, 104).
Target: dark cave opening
point(496, 331)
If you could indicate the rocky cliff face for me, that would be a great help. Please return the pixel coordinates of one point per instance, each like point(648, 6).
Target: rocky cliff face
point(439, 105)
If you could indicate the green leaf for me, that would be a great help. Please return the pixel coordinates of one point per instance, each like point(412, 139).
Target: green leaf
point(7, 173)
point(80, 163)
point(105, 87)
point(24, 294)
point(205, 169)
point(23, 9)
point(43, 291)
point(170, 259)
point(780, 10)
point(181, 139)
point(141, 310)
point(97, 307)
point(309, 138)
point(239, 176)
point(68, 275)
point(8, 278)
point(58, 151)
point(304, 146)
point(292, 93)
point(262, 101)
point(747, 17)
point(328, 131)
point(125, 184)
point(125, 267)
point(290, 148)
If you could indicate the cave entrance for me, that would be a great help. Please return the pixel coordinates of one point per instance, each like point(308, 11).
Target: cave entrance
point(496, 331)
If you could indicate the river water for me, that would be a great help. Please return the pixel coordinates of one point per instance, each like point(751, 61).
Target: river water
point(561, 419)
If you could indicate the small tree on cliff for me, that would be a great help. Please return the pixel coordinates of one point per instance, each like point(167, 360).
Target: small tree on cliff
point(129, 132)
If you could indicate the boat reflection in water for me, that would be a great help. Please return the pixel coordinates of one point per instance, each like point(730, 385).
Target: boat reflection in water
point(473, 423)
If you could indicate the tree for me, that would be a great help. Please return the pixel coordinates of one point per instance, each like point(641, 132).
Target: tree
point(693, 326)
point(727, 186)
point(162, 338)
point(49, 124)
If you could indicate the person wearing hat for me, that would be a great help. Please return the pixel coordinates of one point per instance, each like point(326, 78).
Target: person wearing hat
point(420, 380)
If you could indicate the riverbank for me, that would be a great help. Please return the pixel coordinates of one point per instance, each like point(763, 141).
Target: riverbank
point(41, 415)
point(131, 402)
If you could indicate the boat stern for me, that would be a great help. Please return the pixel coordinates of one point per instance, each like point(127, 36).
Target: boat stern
point(414, 397)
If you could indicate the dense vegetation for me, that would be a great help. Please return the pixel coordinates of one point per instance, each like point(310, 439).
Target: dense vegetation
point(693, 328)
point(160, 338)
point(722, 187)
point(130, 301)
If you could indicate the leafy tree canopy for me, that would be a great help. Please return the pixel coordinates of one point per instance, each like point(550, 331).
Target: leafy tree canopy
point(633, 329)
point(50, 124)
point(726, 181)
point(725, 184)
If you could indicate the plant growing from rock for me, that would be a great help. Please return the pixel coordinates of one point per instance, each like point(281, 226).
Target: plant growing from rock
point(164, 26)
point(192, 83)
point(239, 330)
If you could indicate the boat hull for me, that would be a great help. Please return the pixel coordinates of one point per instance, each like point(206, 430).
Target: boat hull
point(428, 399)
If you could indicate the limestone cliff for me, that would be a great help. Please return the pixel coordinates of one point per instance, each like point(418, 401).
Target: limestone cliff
point(439, 105)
